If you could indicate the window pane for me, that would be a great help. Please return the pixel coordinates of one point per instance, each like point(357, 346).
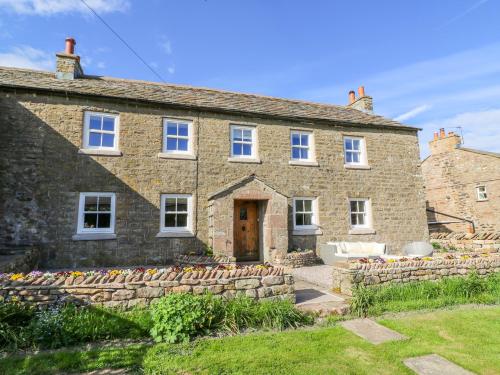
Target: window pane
point(182, 220)
point(295, 139)
point(94, 139)
point(295, 153)
point(353, 219)
point(104, 204)
point(183, 130)
point(307, 219)
point(304, 153)
point(355, 144)
point(348, 157)
point(172, 144)
point(170, 220)
point(90, 221)
point(182, 204)
point(108, 140)
point(170, 205)
point(90, 204)
point(354, 206)
point(355, 157)
point(104, 221)
point(361, 219)
point(171, 128)
point(236, 148)
point(348, 144)
point(95, 122)
point(243, 214)
point(299, 205)
point(361, 206)
point(182, 144)
point(305, 139)
point(247, 150)
point(299, 219)
point(237, 135)
point(247, 135)
point(308, 205)
point(108, 123)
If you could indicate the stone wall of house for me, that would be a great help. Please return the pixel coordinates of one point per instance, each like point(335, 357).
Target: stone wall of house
point(43, 173)
point(296, 259)
point(451, 174)
point(142, 288)
point(345, 276)
point(478, 242)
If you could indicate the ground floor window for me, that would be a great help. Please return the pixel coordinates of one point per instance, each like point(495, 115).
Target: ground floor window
point(96, 213)
point(359, 213)
point(176, 213)
point(304, 213)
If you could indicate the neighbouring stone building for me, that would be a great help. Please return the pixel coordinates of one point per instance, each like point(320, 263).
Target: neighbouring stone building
point(462, 186)
point(101, 171)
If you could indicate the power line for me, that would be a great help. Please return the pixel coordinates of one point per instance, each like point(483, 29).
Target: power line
point(124, 42)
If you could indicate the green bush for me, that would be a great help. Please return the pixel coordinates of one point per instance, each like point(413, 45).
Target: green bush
point(14, 317)
point(363, 298)
point(436, 245)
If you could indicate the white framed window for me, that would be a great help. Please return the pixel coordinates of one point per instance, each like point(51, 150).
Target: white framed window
point(243, 142)
point(176, 213)
point(305, 213)
point(177, 136)
point(354, 151)
point(302, 145)
point(481, 193)
point(359, 213)
point(96, 213)
point(100, 131)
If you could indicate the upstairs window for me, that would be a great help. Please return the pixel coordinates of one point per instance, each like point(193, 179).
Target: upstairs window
point(354, 151)
point(304, 213)
point(176, 213)
point(301, 143)
point(359, 212)
point(243, 142)
point(481, 193)
point(96, 213)
point(100, 131)
point(177, 137)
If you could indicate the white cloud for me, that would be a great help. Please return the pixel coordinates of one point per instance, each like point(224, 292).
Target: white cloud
point(413, 113)
point(481, 129)
point(27, 57)
point(171, 69)
point(166, 46)
point(51, 7)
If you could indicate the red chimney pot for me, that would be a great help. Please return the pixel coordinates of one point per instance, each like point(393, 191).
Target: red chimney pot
point(436, 136)
point(352, 97)
point(361, 91)
point(70, 46)
point(442, 134)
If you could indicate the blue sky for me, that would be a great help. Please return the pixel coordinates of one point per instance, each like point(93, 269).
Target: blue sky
point(429, 64)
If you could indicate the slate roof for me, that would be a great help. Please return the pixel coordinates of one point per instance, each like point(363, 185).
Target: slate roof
point(487, 153)
point(191, 97)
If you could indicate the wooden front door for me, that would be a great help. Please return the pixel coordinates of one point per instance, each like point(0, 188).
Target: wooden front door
point(246, 230)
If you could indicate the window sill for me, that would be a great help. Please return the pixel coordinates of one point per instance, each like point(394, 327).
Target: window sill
point(244, 160)
point(167, 155)
point(307, 232)
point(481, 200)
point(304, 163)
point(174, 234)
point(93, 236)
point(86, 151)
point(356, 166)
point(362, 231)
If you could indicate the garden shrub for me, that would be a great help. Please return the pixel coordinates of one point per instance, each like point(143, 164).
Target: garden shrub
point(363, 298)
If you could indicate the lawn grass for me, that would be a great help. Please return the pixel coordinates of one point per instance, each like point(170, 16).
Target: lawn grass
point(467, 336)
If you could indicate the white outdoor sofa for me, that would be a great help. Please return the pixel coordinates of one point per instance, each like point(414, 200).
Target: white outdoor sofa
point(332, 252)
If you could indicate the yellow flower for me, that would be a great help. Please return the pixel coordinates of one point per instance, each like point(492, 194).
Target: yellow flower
point(17, 276)
point(188, 269)
point(427, 258)
point(391, 260)
point(114, 272)
point(152, 271)
point(76, 273)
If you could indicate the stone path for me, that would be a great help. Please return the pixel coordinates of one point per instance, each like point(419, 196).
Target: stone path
point(372, 331)
point(434, 364)
point(311, 297)
point(318, 275)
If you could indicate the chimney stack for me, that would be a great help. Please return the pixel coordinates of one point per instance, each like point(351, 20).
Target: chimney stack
point(363, 103)
point(67, 63)
point(442, 143)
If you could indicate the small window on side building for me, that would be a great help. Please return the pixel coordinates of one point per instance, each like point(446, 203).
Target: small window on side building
point(481, 193)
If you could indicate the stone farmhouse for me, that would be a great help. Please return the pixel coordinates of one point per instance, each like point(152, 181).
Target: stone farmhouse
point(462, 186)
point(99, 171)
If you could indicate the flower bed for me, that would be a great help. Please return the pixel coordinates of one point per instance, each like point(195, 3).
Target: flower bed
point(380, 271)
point(127, 287)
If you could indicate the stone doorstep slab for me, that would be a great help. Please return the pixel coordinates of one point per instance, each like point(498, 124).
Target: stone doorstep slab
point(434, 364)
point(372, 331)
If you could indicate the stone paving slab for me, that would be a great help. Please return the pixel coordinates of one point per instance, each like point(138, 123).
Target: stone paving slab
point(321, 275)
point(434, 364)
point(311, 297)
point(372, 331)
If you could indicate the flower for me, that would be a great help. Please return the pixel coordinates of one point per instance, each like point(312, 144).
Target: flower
point(76, 273)
point(391, 260)
point(427, 258)
point(35, 274)
point(152, 271)
point(17, 276)
point(114, 272)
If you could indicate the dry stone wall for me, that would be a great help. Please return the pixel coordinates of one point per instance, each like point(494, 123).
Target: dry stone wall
point(402, 272)
point(126, 290)
point(478, 242)
point(297, 259)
